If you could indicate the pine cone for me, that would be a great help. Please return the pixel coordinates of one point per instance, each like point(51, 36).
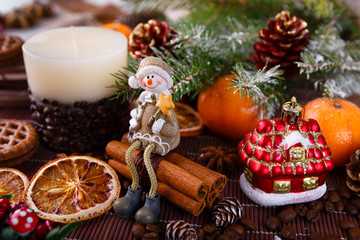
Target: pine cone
point(151, 34)
point(180, 230)
point(281, 43)
point(353, 172)
point(228, 211)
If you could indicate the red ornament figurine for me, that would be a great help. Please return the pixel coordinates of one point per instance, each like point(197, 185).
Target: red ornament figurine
point(286, 159)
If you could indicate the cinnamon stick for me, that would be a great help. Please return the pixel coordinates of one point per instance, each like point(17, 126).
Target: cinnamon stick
point(172, 195)
point(166, 172)
point(216, 181)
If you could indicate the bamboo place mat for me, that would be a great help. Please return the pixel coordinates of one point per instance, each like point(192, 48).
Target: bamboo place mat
point(110, 226)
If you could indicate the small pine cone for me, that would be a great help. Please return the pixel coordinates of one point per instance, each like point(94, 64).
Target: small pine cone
point(228, 211)
point(353, 173)
point(180, 230)
point(151, 34)
point(281, 43)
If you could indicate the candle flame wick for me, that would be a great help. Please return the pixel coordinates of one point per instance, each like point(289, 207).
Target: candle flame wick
point(75, 44)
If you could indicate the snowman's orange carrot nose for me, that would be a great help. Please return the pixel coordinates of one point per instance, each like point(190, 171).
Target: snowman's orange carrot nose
point(149, 81)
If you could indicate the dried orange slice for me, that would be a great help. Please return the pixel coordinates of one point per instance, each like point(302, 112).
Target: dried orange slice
point(190, 122)
point(13, 182)
point(73, 188)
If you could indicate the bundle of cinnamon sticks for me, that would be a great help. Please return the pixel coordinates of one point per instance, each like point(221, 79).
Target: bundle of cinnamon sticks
point(181, 181)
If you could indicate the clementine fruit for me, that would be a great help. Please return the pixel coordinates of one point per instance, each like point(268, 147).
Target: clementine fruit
point(120, 27)
point(224, 112)
point(73, 188)
point(339, 121)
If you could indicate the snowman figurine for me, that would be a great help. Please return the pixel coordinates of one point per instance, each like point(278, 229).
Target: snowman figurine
point(154, 129)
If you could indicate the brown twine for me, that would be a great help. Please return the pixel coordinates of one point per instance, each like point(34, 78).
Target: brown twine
point(141, 169)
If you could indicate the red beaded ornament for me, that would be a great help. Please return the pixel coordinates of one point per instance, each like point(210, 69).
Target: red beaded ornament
point(286, 160)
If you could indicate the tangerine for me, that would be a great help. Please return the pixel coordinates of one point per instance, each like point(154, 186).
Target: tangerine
point(226, 113)
point(339, 121)
point(120, 27)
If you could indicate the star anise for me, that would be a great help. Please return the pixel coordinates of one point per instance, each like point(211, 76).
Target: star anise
point(217, 157)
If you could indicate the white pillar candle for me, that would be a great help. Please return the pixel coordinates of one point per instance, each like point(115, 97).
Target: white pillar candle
point(74, 63)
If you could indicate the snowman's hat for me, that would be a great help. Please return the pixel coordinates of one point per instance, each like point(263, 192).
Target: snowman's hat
point(151, 65)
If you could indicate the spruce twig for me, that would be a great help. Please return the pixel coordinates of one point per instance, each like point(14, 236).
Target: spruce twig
point(124, 91)
point(332, 63)
point(257, 85)
point(203, 53)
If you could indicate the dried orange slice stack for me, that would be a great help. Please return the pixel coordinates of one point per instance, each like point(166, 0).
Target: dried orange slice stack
point(73, 188)
point(13, 182)
point(190, 122)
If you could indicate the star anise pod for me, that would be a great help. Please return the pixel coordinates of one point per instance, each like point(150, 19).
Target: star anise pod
point(217, 157)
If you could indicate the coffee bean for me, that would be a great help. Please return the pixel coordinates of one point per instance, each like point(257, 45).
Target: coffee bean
point(339, 206)
point(316, 236)
point(301, 209)
point(224, 237)
point(317, 205)
point(351, 209)
point(44, 100)
point(64, 132)
point(235, 231)
point(138, 230)
point(346, 225)
point(287, 215)
point(288, 233)
point(272, 223)
point(201, 234)
point(213, 236)
point(332, 237)
point(153, 228)
point(286, 207)
point(86, 132)
point(55, 103)
point(151, 236)
point(312, 215)
point(329, 207)
point(48, 121)
point(325, 196)
point(209, 228)
point(344, 192)
point(356, 202)
point(354, 234)
point(334, 197)
point(48, 110)
point(248, 224)
point(332, 187)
